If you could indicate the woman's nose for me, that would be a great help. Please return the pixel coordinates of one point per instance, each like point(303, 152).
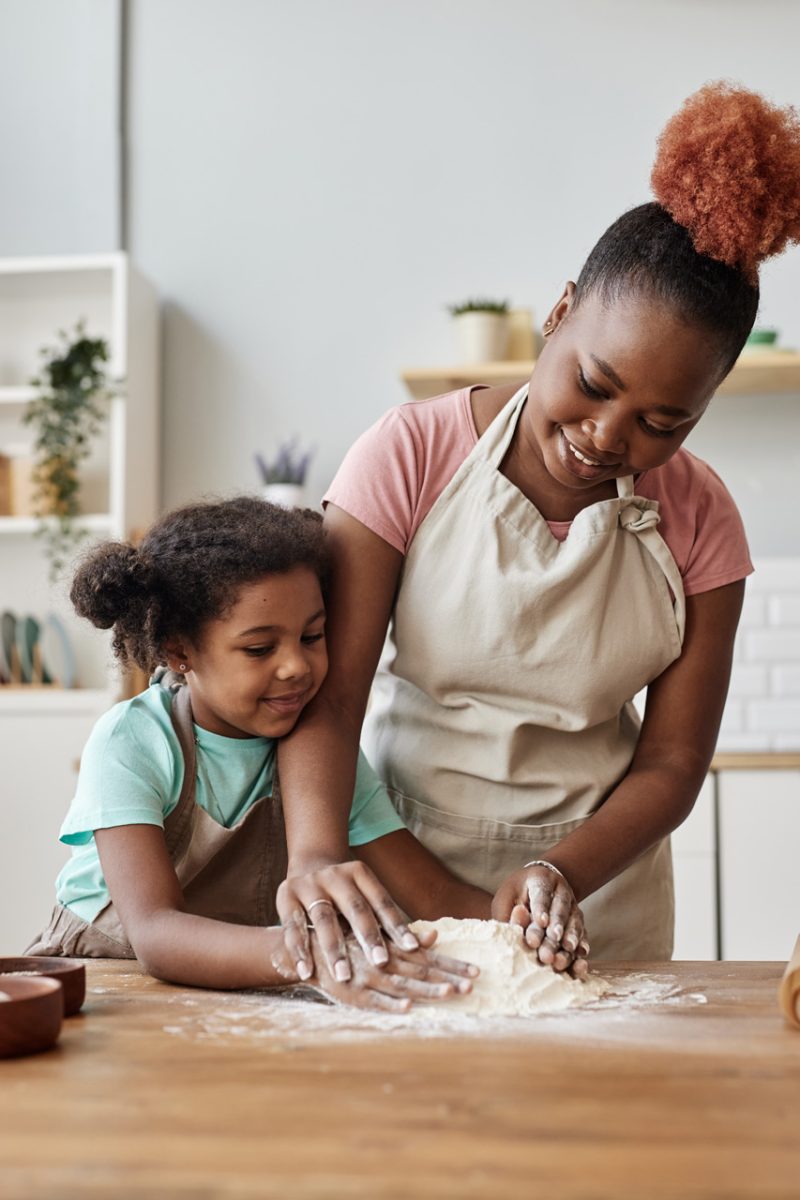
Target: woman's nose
point(606, 436)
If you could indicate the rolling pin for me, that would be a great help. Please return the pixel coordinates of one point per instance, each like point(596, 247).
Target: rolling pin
point(789, 990)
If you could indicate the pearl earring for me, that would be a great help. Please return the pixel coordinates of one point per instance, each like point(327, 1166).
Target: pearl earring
point(183, 668)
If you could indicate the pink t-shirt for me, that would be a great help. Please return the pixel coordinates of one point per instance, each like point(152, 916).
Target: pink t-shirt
point(393, 475)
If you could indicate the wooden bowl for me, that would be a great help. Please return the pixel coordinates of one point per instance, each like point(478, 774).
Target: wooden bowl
point(69, 973)
point(30, 1020)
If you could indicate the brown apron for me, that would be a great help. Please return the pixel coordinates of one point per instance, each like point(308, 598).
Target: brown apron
point(225, 874)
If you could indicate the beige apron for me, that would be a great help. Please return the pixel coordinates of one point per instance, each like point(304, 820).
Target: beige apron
point(501, 714)
point(226, 874)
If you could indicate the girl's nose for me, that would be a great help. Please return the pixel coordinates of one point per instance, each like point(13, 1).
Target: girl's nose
point(293, 664)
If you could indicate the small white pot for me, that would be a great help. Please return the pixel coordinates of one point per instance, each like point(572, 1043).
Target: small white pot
point(287, 495)
point(482, 336)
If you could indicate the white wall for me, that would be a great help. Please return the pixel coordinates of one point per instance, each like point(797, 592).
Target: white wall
point(59, 126)
point(312, 182)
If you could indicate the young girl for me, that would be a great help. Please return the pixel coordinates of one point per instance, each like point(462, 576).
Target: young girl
point(177, 834)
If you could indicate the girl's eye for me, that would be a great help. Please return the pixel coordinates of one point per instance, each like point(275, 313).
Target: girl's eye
point(310, 638)
point(654, 431)
point(258, 651)
point(587, 388)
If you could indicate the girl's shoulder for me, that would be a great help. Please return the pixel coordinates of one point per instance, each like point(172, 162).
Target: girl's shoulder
point(144, 721)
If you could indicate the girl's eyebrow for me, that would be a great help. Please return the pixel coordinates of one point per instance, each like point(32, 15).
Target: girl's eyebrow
point(271, 628)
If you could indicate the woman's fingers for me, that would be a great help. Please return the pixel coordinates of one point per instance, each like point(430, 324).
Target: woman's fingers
point(381, 904)
point(540, 888)
point(293, 918)
point(574, 930)
point(561, 904)
point(520, 915)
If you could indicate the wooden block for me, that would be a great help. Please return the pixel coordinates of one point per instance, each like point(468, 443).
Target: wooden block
point(5, 486)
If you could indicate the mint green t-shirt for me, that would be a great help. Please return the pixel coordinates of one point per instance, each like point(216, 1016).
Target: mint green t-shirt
point(132, 773)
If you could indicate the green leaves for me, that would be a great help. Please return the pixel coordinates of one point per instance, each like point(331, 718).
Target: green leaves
point(67, 414)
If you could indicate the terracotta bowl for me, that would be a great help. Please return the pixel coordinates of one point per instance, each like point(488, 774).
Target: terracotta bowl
point(69, 973)
point(30, 1020)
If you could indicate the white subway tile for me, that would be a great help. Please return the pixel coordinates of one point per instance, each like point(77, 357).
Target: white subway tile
point(786, 742)
point(773, 716)
point(733, 717)
point(784, 610)
point(772, 645)
point(733, 743)
point(774, 574)
point(785, 680)
point(749, 680)
point(754, 611)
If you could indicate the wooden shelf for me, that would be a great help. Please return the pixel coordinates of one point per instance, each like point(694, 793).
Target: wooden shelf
point(17, 395)
point(751, 761)
point(758, 372)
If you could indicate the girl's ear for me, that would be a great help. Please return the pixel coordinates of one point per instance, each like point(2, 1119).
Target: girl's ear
point(179, 657)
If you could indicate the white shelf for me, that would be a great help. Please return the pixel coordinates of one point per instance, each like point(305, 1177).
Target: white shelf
point(55, 700)
point(17, 395)
point(92, 522)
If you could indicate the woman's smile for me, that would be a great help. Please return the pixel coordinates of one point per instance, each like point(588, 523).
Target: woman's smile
point(579, 463)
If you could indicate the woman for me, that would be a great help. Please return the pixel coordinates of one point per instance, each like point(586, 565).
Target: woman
point(538, 555)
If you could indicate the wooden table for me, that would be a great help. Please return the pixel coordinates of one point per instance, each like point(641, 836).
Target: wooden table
point(157, 1091)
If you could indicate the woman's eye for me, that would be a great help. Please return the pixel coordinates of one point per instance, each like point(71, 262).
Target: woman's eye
point(310, 638)
point(587, 388)
point(654, 431)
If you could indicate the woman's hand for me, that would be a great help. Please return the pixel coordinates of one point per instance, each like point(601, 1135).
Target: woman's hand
point(319, 897)
point(542, 902)
point(409, 976)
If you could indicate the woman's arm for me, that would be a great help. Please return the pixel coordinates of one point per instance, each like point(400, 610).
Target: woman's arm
point(421, 885)
point(180, 947)
point(317, 761)
point(676, 744)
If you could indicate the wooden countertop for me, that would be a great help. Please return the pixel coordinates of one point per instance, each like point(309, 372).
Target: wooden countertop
point(157, 1091)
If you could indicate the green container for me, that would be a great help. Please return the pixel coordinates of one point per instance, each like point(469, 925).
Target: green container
point(762, 337)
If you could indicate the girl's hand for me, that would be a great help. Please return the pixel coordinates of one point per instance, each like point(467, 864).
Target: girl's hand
point(542, 902)
point(409, 976)
point(319, 897)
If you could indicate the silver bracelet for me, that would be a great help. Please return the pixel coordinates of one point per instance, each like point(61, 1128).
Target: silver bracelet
point(540, 862)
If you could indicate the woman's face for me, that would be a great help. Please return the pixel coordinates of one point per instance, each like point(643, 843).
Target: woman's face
point(253, 670)
point(616, 389)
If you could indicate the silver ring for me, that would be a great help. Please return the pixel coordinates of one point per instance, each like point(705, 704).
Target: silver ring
point(314, 904)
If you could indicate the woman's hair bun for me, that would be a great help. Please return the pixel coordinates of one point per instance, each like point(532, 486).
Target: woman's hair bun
point(111, 581)
point(728, 170)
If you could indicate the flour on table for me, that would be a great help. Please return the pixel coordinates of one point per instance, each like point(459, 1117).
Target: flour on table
point(512, 983)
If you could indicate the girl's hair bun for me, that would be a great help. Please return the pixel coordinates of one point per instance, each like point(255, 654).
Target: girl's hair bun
point(728, 170)
point(113, 579)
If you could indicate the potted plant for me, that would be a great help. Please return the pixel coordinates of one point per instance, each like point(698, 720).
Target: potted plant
point(67, 414)
point(283, 477)
point(482, 329)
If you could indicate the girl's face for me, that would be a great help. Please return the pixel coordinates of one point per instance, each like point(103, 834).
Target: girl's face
point(616, 390)
point(254, 670)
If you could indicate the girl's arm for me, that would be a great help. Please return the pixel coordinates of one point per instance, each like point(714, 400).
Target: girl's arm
point(422, 885)
point(180, 947)
point(676, 744)
point(317, 761)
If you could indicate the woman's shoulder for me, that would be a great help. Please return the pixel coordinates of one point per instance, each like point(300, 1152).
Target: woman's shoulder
point(700, 522)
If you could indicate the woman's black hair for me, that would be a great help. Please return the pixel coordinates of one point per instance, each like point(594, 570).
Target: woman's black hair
point(727, 185)
point(189, 569)
point(647, 253)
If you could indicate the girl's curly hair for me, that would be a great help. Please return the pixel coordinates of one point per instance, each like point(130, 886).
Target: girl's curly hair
point(189, 569)
point(727, 186)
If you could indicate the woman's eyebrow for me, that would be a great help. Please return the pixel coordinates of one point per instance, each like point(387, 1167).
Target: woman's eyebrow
point(608, 371)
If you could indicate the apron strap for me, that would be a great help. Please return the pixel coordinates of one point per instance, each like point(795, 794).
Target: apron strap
point(641, 517)
point(177, 827)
